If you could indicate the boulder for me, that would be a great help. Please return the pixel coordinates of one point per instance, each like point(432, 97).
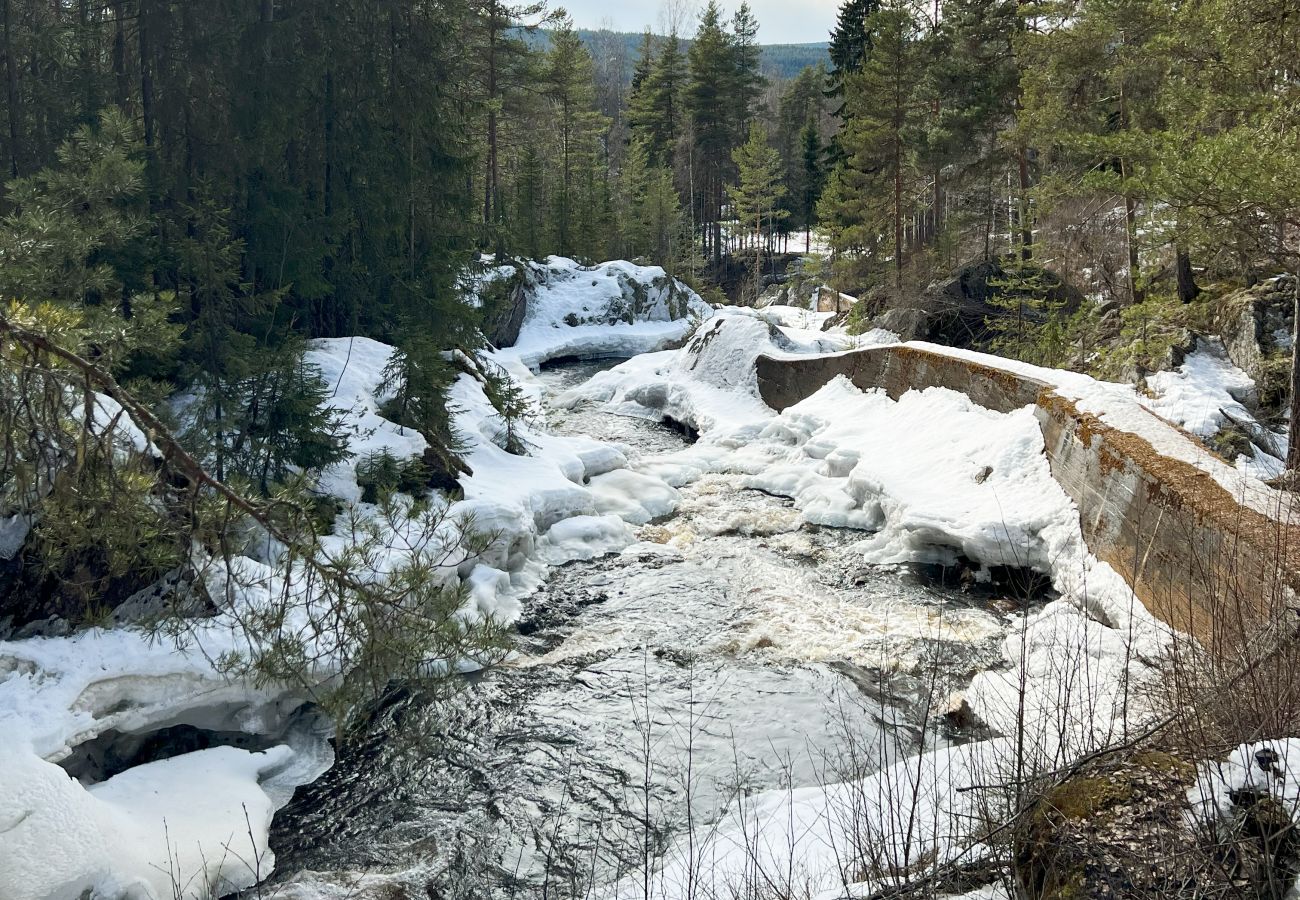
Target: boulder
point(1256, 326)
point(955, 311)
point(1116, 829)
point(505, 304)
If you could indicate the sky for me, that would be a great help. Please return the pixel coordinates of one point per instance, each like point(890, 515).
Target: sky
point(780, 21)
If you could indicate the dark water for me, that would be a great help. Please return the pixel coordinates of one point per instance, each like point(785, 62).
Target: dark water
point(732, 651)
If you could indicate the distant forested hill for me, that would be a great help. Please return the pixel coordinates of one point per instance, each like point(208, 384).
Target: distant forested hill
point(788, 60)
point(779, 60)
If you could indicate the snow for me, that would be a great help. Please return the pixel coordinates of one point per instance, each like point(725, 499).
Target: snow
point(913, 812)
point(1196, 395)
point(353, 368)
point(711, 384)
point(1120, 407)
point(1205, 394)
point(1262, 768)
point(1270, 768)
point(853, 459)
point(613, 310)
point(190, 827)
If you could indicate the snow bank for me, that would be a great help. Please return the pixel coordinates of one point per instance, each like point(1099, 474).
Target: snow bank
point(1205, 394)
point(932, 474)
point(710, 385)
point(190, 827)
point(1198, 393)
point(1120, 407)
point(193, 819)
point(614, 309)
point(912, 814)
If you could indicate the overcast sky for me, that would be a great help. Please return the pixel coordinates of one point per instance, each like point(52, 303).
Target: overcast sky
point(780, 21)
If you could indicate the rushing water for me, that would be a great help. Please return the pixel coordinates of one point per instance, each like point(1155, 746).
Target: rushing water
point(733, 650)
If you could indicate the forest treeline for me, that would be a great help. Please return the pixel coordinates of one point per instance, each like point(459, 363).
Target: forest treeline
point(289, 169)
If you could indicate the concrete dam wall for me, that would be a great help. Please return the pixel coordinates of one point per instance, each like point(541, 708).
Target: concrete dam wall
point(1195, 555)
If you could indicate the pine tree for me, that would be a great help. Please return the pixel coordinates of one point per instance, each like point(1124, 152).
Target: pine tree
point(709, 99)
point(1090, 89)
point(652, 212)
point(530, 208)
point(571, 91)
point(866, 201)
point(504, 56)
point(971, 82)
point(757, 196)
point(1030, 326)
point(90, 205)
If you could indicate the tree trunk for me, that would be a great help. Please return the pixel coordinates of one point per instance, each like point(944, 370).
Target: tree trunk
point(1026, 225)
point(1130, 235)
point(1293, 430)
point(119, 55)
point(11, 82)
point(1187, 287)
point(898, 215)
point(491, 193)
point(146, 76)
point(328, 191)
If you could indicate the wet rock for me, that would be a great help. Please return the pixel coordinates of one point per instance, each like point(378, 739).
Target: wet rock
point(958, 713)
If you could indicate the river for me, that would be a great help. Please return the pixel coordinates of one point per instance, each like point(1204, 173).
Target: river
point(733, 650)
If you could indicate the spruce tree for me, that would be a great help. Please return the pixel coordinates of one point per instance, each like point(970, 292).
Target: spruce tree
point(656, 108)
point(812, 178)
point(747, 76)
point(644, 63)
point(850, 42)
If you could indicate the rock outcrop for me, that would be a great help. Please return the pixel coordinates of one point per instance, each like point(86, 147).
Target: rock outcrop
point(1256, 326)
point(955, 311)
point(1123, 828)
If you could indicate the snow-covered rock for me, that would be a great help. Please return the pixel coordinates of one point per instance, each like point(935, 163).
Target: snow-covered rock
point(710, 385)
point(194, 826)
point(616, 309)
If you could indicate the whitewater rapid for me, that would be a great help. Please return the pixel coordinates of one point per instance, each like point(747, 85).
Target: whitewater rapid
point(733, 649)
